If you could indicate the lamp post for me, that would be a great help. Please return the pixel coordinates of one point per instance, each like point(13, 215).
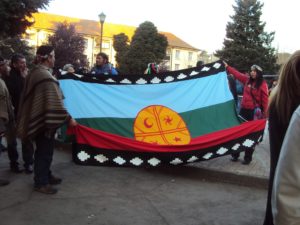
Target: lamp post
point(102, 17)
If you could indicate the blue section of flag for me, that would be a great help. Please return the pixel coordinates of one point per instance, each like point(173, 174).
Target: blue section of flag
point(92, 100)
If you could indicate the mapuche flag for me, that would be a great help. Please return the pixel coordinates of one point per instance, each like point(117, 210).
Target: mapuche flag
point(148, 120)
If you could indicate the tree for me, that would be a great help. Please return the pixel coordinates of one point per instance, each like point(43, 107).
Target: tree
point(10, 46)
point(204, 56)
point(68, 45)
point(246, 42)
point(147, 46)
point(15, 15)
point(121, 47)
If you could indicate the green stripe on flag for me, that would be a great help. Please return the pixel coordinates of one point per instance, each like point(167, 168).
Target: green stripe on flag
point(199, 121)
point(119, 126)
point(221, 116)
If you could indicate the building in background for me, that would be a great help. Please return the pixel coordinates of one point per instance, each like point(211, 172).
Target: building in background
point(179, 55)
point(282, 58)
point(206, 57)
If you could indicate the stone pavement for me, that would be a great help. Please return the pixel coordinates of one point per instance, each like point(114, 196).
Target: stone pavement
point(190, 195)
point(220, 169)
point(255, 174)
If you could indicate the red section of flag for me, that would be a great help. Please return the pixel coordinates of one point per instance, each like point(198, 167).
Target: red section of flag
point(100, 139)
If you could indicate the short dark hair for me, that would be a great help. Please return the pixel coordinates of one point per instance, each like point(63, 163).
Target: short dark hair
point(103, 55)
point(16, 57)
point(44, 50)
point(43, 53)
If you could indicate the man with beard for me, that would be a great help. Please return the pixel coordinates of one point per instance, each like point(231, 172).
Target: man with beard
point(15, 84)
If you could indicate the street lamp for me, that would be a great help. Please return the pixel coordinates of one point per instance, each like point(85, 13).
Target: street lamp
point(102, 17)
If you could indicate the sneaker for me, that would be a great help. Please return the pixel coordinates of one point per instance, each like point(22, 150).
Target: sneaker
point(54, 180)
point(46, 189)
point(29, 169)
point(15, 169)
point(3, 182)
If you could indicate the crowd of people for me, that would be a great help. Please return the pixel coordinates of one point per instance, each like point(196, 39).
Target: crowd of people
point(32, 109)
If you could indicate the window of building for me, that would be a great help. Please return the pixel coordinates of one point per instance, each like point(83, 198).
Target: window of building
point(105, 45)
point(168, 52)
point(176, 66)
point(177, 54)
point(190, 56)
point(86, 42)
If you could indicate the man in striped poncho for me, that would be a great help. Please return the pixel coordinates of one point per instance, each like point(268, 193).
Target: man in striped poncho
point(41, 113)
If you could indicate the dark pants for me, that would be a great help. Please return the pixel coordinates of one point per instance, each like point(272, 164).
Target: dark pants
point(27, 150)
point(247, 114)
point(43, 159)
point(1, 146)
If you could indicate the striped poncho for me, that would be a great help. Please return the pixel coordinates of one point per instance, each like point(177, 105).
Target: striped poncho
point(41, 106)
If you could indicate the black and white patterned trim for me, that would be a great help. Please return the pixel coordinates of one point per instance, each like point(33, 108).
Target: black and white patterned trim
point(86, 155)
point(142, 79)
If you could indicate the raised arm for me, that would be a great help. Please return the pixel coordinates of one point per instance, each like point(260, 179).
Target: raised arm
point(237, 75)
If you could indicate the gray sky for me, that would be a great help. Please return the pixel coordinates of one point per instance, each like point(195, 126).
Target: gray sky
point(201, 23)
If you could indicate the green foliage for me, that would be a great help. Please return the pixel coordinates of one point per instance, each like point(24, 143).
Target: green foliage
point(11, 46)
point(68, 45)
point(121, 47)
point(15, 15)
point(246, 42)
point(147, 46)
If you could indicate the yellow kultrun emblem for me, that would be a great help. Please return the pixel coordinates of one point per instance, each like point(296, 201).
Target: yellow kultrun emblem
point(160, 125)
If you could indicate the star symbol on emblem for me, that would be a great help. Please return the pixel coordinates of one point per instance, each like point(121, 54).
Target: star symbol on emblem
point(177, 139)
point(168, 120)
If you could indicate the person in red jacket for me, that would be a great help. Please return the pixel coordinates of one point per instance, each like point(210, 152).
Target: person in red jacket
point(254, 102)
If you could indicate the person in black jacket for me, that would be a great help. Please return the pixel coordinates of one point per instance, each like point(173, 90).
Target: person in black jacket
point(15, 83)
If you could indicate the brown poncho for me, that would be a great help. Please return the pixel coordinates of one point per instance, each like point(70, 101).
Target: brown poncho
point(41, 106)
point(6, 108)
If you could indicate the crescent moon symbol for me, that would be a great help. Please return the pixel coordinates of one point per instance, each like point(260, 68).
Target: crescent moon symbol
point(147, 124)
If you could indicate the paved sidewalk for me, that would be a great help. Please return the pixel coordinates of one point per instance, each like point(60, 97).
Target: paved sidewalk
point(220, 169)
point(191, 194)
point(127, 196)
point(254, 174)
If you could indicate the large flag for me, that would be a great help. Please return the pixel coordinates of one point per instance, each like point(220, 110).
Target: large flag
point(149, 120)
